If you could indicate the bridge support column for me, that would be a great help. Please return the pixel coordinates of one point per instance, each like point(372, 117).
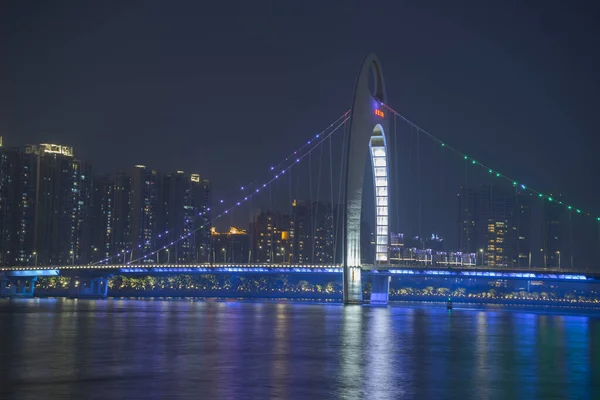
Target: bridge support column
point(16, 287)
point(353, 285)
point(88, 288)
point(380, 289)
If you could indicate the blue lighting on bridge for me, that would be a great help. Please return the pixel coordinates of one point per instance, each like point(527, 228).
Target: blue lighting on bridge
point(492, 274)
point(232, 269)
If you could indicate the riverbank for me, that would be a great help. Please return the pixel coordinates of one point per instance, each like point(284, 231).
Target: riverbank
point(329, 297)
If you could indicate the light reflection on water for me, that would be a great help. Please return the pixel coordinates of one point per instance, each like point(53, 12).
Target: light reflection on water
point(57, 349)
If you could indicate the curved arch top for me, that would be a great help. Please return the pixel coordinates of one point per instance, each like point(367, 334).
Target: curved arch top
point(368, 127)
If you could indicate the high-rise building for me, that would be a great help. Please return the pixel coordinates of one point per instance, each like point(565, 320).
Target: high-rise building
point(202, 190)
point(496, 225)
point(467, 203)
point(187, 204)
point(524, 221)
point(313, 230)
point(10, 203)
point(271, 237)
point(145, 213)
point(103, 229)
point(122, 207)
point(82, 246)
point(554, 237)
point(50, 202)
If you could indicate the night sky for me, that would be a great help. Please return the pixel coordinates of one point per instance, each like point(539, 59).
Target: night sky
point(226, 88)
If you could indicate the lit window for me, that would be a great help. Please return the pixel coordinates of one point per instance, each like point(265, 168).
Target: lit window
point(378, 151)
point(382, 211)
point(382, 201)
point(381, 171)
point(379, 162)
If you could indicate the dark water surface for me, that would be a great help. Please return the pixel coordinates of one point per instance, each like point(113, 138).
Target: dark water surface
point(154, 349)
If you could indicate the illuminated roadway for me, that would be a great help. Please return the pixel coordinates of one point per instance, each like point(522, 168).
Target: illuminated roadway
point(400, 270)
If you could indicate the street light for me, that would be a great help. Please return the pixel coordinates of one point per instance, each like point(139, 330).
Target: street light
point(558, 252)
point(123, 252)
point(72, 257)
point(481, 252)
point(545, 264)
point(35, 255)
point(224, 254)
point(168, 257)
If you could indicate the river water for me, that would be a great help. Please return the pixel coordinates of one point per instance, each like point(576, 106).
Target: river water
point(193, 349)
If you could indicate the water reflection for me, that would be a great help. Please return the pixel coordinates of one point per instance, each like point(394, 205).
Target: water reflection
point(352, 355)
point(58, 349)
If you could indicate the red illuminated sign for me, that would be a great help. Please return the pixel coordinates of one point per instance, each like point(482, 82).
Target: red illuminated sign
point(379, 113)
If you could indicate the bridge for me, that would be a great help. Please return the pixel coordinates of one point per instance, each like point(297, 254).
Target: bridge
point(92, 281)
point(369, 128)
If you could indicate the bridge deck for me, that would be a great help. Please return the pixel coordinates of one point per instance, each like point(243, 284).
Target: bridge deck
point(468, 272)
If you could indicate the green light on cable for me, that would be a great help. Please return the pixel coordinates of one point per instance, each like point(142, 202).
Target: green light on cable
point(549, 198)
point(497, 174)
point(579, 211)
point(540, 195)
point(473, 162)
point(490, 171)
point(465, 157)
point(443, 145)
point(569, 207)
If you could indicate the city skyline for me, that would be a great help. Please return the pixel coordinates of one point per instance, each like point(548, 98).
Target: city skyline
point(493, 223)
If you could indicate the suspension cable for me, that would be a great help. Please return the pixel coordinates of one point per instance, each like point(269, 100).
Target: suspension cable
point(322, 139)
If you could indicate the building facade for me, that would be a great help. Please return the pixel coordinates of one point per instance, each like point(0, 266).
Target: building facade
point(271, 239)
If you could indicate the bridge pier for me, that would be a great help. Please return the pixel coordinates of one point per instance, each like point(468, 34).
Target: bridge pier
point(353, 285)
point(88, 288)
point(380, 289)
point(17, 287)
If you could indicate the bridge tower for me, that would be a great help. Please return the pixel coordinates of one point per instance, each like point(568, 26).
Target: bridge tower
point(369, 124)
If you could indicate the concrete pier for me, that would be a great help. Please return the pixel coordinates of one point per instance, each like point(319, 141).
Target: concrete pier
point(88, 288)
point(17, 287)
point(380, 289)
